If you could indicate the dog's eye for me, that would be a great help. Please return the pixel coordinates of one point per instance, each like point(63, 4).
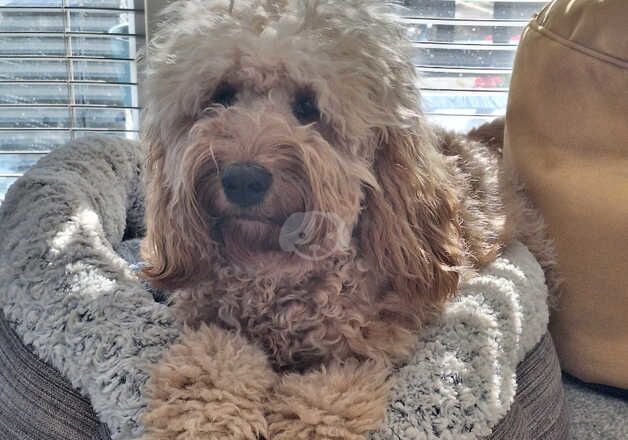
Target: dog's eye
point(305, 108)
point(225, 95)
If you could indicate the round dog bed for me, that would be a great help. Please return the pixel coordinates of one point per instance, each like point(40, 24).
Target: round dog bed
point(486, 369)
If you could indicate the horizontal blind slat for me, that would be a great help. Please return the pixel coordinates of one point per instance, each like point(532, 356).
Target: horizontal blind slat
point(57, 4)
point(30, 33)
point(454, 45)
point(72, 82)
point(58, 106)
point(470, 9)
point(14, 164)
point(453, 21)
point(55, 94)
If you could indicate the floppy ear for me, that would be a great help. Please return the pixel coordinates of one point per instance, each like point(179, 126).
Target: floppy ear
point(410, 230)
point(177, 247)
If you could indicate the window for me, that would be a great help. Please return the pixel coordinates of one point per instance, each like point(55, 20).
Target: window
point(66, 69)
point(464, 50)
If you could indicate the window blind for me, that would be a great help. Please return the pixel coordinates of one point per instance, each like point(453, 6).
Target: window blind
point(67, 68)
point(463, 51)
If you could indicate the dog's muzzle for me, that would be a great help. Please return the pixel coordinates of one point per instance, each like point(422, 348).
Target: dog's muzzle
point(245, 184)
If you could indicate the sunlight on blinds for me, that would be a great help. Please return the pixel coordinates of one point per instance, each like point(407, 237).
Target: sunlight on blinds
point(464, 50)
point(66, 69)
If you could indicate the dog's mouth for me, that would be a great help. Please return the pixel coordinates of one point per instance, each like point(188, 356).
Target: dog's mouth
point(253, 219)
point(250, 232)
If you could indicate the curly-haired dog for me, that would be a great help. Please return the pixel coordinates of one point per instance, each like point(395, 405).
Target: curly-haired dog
point(308, 217)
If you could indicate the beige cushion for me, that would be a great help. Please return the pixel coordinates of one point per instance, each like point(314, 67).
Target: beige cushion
point(567, 138)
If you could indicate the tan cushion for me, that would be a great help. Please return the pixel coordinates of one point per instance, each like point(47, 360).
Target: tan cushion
point(567, 138)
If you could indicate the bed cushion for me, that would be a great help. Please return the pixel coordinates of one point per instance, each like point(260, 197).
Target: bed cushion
point(44, 406)
point(75, 301)
point(567, 139)
point(68, 295)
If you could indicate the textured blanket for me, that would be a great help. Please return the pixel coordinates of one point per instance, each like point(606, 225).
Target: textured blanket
point(71, 296)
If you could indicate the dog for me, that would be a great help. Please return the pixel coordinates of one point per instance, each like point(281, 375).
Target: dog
point(307, 217)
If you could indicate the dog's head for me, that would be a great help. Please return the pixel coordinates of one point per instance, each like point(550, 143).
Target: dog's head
point(275, 127)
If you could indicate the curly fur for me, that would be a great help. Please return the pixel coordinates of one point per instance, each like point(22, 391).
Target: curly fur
point(229, 376)
point(335, 403)
point(419, 207)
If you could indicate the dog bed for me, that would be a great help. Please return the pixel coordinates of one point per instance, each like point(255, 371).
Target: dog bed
point(486, 369)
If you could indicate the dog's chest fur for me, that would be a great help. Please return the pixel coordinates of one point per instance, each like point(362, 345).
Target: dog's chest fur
point(332, 314)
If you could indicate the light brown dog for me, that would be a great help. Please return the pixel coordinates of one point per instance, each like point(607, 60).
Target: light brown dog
point(309, 218)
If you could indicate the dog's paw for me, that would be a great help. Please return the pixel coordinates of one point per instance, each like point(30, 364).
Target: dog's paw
point(213, 385)
point(342, 402)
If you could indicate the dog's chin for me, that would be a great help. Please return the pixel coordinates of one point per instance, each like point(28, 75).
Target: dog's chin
point(252, 245)
point(249, 236)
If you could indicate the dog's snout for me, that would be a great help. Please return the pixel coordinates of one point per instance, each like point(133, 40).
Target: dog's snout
point(246, 184)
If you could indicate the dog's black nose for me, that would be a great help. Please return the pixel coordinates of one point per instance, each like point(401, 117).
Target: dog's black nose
point(245, 184)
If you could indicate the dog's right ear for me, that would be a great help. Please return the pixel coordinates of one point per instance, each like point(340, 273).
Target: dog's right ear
point(177, 248)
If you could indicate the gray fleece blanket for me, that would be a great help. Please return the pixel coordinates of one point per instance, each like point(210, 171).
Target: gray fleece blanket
point(77, 302)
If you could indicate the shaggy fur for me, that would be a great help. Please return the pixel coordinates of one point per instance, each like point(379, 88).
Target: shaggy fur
point(231, 377)
point(409, 210)
point(338, 402)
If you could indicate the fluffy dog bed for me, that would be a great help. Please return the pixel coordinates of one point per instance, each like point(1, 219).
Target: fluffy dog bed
point(486, 368)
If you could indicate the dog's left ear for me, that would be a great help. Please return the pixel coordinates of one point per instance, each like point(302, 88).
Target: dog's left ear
point(410, 230)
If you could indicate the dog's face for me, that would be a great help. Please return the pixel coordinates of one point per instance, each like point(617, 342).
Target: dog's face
point(275, 118)
point(259, 155)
